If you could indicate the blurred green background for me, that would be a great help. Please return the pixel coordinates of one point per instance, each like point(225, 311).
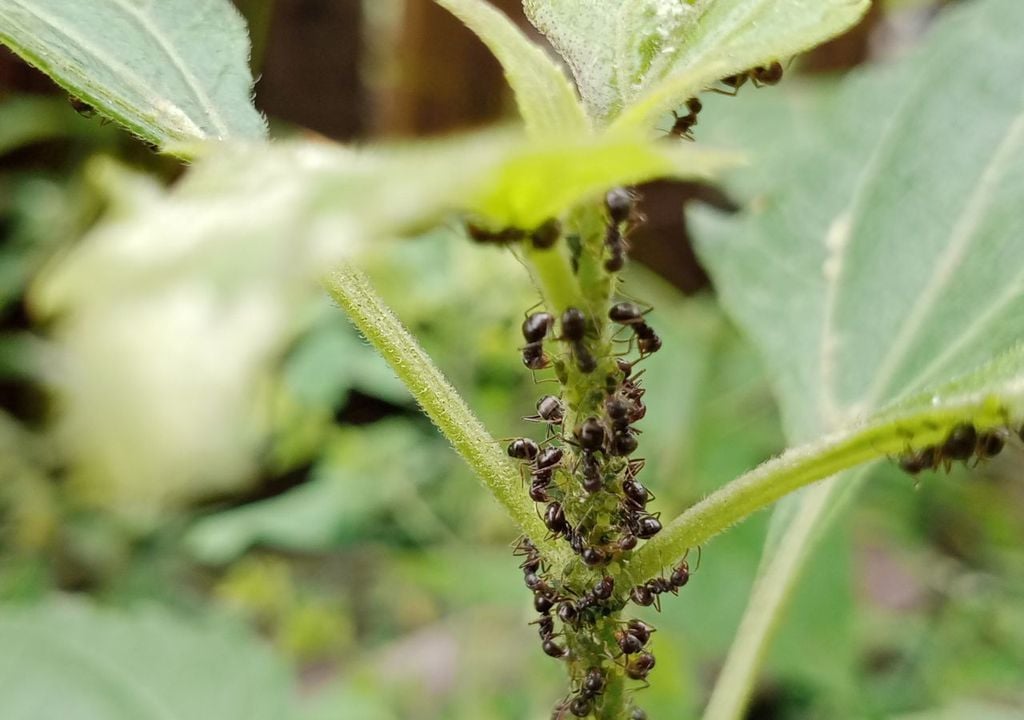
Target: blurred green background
point(360, 548)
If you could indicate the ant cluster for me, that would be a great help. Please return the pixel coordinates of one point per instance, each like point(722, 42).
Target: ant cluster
point(963, 443)
point(759, 76)
point(585, 480)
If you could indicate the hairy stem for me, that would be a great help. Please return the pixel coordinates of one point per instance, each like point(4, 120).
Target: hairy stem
point(801, 467)
point(439, 400)
point(771, 592)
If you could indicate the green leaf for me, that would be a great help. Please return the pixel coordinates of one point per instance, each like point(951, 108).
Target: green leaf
point(644, 58)
point(547, 100)
point(351, 488)
point(71, 660)
point(169, 71)
point(874, 260)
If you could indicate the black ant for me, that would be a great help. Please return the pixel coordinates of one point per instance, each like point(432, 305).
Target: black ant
point(617, 246)
point(593, 476)
point(574, 327)
point(549, 410)
point(546, 234)
point(523, 449)
point(683, 126)
point(535, 329)
point(640, 666)
point(637, 495)
point(82, 107)
point(760, 76)
point(621, 205)
point(480, 234)
point(590, 435)
point(554, 520)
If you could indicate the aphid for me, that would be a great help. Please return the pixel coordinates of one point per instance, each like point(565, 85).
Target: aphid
point(639, 666)
point(638, 714)
point(523, 449)
point(546, 235)
point(590, 435)
point(684, 123)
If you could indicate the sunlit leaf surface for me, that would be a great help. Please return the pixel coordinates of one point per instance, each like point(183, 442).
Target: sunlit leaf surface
point(624, 52)
point(168, 71)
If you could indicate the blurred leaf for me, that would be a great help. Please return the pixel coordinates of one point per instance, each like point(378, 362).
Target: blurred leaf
point(175, 70)
point(365, 474)
point(71, 660)
point(648, 56)
point(891, 255)
point(27, 120)
point(547, 100)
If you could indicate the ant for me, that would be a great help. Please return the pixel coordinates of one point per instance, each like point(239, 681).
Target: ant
point(82, 107)
point(639, 667)
point(549, 410)
point(574, 327)
point(631, 315)
point(545, 235)
point(593, 476)
point(535, 329)
point(760, 76)
point(683, 126)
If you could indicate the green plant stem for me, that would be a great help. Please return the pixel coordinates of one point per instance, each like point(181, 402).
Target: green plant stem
point(803, 466)
point(775, 585)
point(439, 400)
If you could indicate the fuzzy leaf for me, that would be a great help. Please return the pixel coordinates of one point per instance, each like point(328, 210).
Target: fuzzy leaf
point(173, 70)
point(71, 660)
point(645, 57)
point(876, 259)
